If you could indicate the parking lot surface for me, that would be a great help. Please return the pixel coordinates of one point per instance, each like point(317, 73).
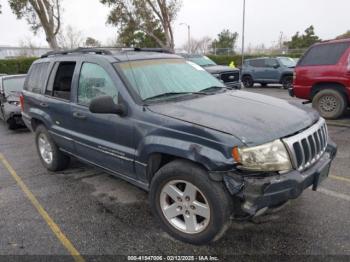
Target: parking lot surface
point(95, 214)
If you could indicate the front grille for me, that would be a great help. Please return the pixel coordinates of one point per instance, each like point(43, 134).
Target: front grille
point(230, 77)
point(307, 147)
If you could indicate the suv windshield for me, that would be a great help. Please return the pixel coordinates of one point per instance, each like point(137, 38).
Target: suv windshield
point(13, 85)
point(175, 77)
point(287, 61)
point(202, 60)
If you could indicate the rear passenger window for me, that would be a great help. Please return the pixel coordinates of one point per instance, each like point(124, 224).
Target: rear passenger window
point(94, 81)
point(257, 63)
point(62, 82)
point(36, 78)
point(326, 54)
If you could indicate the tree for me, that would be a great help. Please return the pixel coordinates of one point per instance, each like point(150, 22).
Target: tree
point(131, 37)
point(305, 40)
point(344, 36)
point(226, 40)
point(45, 14)
point(70, 38)
point(146, 16)
point(92, 42)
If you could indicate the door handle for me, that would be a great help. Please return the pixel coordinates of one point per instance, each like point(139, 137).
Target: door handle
point(42, 104)
point(79, 115)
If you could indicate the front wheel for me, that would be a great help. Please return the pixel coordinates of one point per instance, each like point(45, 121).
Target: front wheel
point(330, 103)
point(190, 206)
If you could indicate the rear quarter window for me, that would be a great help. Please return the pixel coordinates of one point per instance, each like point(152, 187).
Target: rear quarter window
point(36, 78)
point(325, 54)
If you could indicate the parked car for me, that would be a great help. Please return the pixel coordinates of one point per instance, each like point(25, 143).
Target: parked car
point(10, 89)
point(323, 77)
point(268, 70)
point(204, 152)
point(229, 76)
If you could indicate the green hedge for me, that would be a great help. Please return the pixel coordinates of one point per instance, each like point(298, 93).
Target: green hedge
point(16, 66)
point(237, 59)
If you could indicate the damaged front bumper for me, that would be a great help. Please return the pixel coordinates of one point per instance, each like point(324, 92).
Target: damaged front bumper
point(260, 192)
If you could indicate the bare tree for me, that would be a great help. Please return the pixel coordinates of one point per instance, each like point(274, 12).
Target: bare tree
point(145, 16)
point(70, 38)
point(200, 46)
point(45, 14)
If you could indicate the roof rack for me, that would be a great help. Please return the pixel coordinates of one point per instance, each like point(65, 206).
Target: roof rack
point(104, 51)
point(81, 50)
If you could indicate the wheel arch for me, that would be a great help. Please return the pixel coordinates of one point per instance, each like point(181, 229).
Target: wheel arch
point(329, 85)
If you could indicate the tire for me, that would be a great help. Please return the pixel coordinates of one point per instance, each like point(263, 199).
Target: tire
point(12, 124)
point(53, 159)
point(287, 82)
point(183, 176)
point(330, 103)
point(247, 81)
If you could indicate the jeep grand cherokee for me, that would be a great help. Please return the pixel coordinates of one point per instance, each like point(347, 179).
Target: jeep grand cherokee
point(204, 153)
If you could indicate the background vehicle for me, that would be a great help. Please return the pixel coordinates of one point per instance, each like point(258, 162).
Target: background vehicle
point(10, 90)
point(229, 76)
point(268, 70)
point(323, 77)
point(162, 124)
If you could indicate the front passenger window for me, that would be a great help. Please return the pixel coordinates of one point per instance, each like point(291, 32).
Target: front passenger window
point(94, 81)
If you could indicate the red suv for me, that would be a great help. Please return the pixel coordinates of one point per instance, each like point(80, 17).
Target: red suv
point(323, 77)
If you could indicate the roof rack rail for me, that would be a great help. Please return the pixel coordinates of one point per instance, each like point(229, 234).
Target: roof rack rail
point(82, 50)
point(104, 51)
point(158, 50)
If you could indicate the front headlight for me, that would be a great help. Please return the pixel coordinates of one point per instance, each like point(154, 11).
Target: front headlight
point(268, 157)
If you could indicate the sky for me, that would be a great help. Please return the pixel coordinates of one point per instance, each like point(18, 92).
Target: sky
point(265, 20)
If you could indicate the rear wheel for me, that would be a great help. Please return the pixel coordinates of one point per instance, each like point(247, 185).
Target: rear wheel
point(50, 155)
point(330, 103)
point(247, 81)
point(287, 82)
point(190, 206)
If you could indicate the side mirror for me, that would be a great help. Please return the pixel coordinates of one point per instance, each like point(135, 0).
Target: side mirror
point(106, 105)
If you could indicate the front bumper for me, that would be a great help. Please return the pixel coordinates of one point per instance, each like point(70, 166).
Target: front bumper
point(235, 85)
point(261, 192)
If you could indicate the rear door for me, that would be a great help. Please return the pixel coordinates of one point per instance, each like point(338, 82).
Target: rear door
point(258, 69)
point(106, 140)
point(57, 102)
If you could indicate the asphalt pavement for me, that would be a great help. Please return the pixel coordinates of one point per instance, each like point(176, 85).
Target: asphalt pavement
point(85, 214)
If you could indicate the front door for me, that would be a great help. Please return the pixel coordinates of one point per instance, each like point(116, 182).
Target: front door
point(103, 139)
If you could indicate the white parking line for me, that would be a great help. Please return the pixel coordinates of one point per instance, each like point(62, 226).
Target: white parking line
point(333, 194)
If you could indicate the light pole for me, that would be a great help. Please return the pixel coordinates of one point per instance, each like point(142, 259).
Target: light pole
point(243, 32)
point(189, 36)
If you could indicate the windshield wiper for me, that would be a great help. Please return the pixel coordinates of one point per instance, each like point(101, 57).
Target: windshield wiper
point(168, 94)
point(212, 89)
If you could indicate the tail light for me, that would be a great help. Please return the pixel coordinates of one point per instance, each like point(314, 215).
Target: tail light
point(21, 100)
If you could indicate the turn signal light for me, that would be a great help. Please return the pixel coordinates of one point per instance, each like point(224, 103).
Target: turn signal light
point(235, 154)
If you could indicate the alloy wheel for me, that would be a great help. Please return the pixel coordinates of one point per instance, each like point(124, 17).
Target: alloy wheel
point(185, 207)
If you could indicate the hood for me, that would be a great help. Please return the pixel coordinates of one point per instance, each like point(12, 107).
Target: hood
point(254, 119)
point(217, 69)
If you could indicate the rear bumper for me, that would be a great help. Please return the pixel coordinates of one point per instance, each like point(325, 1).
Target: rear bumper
point(258, 193)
